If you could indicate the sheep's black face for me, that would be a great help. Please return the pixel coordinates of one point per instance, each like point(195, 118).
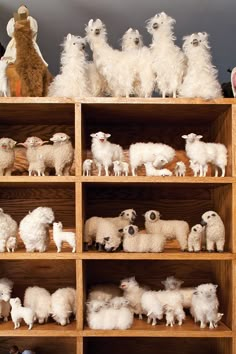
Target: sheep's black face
point(152, 216)
point(131, 230)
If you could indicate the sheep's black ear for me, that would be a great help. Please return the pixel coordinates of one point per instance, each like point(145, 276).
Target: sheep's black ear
point(120, 230)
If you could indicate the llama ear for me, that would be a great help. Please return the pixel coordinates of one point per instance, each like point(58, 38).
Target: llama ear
point(99, 21)
point(137, 31)
point(130, 30)
point(68, 36)
point(156, 15)
point(90, 22)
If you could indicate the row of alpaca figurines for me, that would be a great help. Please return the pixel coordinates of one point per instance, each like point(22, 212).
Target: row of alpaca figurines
point(136, 70)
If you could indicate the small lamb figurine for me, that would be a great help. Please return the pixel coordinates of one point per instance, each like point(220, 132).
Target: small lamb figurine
point(195, 238)
point(60, 236)
point(215, 231)
point(117, 168)
point(11, 244)
point(18, 313)
point(87, 167)
point(7, 156)
point(180, 169)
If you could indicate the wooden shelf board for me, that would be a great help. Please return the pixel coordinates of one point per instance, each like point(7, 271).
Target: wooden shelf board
point(141, 329)
point(44, 100)
point(50, 255)
point(33, 179)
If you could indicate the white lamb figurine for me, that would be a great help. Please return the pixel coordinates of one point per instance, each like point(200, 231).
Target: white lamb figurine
point(171, 283)
point(104, 292)
point(204, 153)
point(125, 168)
point(137, 242)
point(19, 313)
point(133, 293)
point(11, 244)
point(39, 300)
point(126, 217)
point(107, 236)
point(168, 61)
point(200, 79)
point(6, 286)
point(60, 236)
point(152, 171)
point(195, 238)
point(195, 167)
point(34, 229)
point(3, 78)
point(72, 80)
point(63, 305)
point(205, 305)
point(87, 167)
point(171, 229)
point(152, 307)
point(215, 231)
point(104, 152)
point(117, 168)
point(140, 153)
point(180, 169)
point(7, 156)
point(8, 226)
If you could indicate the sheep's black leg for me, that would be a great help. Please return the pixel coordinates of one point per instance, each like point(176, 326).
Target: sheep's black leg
point(100, 247)
point(86, 248)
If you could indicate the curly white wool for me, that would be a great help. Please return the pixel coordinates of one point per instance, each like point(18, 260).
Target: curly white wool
point(39, 300)
point(107, 235)
point(8, 226)
point(60, 236)
point(2, 246)
point(152, 307)
point(19, 313)
point(34, 229)
point(63, 305)
point(171, 283)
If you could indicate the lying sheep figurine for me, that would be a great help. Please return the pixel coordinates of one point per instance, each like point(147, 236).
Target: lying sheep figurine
point(152, 171)
point(152, 306)
point(195, 238)
point(171, 229)
point(18, 313)
point(215, 231)
point(39, 300)
point(126, 217)
point(34, 229)
point(8, 226)
point(7, 156)
point(87, 167)
point(135, 242)
point(107, 236)
point(60, 236)
point(63, 305)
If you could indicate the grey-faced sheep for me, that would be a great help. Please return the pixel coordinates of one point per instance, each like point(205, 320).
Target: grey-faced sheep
point(171, 229)
point(7, 156)
point(215, 231)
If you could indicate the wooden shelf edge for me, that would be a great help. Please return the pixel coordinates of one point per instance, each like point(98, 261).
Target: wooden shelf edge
point(45, 179)
point(37, 100)
point(38, 256)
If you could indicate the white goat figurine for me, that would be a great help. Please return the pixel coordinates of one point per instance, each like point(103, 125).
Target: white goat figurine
point(60, 236)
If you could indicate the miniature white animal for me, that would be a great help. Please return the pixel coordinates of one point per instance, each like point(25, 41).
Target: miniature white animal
point(8, 226)
point(180, 169)
point(87, 167)
point(171, 229)
point(152, 171)
point(39, 300)
point(126, 217)
point(141, 153)
point(152, 307)
point(205, 305)
point(137, 242)
point(195, 167)
point(168, 61)
point(107, 235)
point(34, 229)
point(200, 79)
point(131, 39)
point(172, 301)
point(125, 168)
point(3, 78)
point(63, 305)
point(195, 238)
point(104, 152)
point(7, 156)
point(60, 236)
point(19, 313)
point(215, 231)
point(11, 244)
point(233, 81)
point(171, 283)
point(204, 153)
point(117, 168)
point(104, 292)
point(133, 293)
point(72, 80)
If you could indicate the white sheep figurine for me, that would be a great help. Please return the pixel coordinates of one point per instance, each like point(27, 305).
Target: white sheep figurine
point(180, 169)
point(7, 156)
point(152, 171)
point(6, 286)
point(87, 167)
point(195, 167)
point(133, 293)
point(60, 236)
point(8, 226)
point(104, 152)
point(171, 229)
point(11, 244)
point(120, 168)
point(63, 305)
point(204, 153)
point(152, 307)
point(34, 229)
point(195, 238)
point(126, 217)
point(205, 304)
point(39, 300)
point(215, 231)
point(104, 292)
point(172, 283)
point(137, 242)
point(159, 154)
point(107, 236)
point(19, 313)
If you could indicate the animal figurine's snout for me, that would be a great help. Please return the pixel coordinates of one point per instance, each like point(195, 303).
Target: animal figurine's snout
point(155, 25)
point(152, 216)
point(97, 31)
point(136, 41)
point(195, 42)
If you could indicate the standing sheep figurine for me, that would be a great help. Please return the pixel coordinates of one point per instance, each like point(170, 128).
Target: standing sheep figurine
point(87, 167)
point(7, 156)
point(215, 231)
point(60, 236)
point(180, 169)
point(195, 238)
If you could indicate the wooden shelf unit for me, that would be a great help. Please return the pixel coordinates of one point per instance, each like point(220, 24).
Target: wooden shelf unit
point(75, 198)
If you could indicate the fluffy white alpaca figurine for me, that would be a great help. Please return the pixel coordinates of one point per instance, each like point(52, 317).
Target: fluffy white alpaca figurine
point(7, 156)
point(171, 283)
point(11, 244)
point(19, 313)
point(168, 61)
point(6, 286)
point(8, 226)
point(152, 171)
point(131, 39)
point(3, 78)
point(133, 293)
point(233, 81)
point(60, 236)
point(205, 305)
point(72, 80)
point(39, 300)
point(34, 229)
point(104, 292)
point(180, 169)
point(63, 305)
point(152, 307)
point(171, 229)
point(87, 167)
point(104, 152)
point(201, 76)
point(195, 238)
point(215, 231)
